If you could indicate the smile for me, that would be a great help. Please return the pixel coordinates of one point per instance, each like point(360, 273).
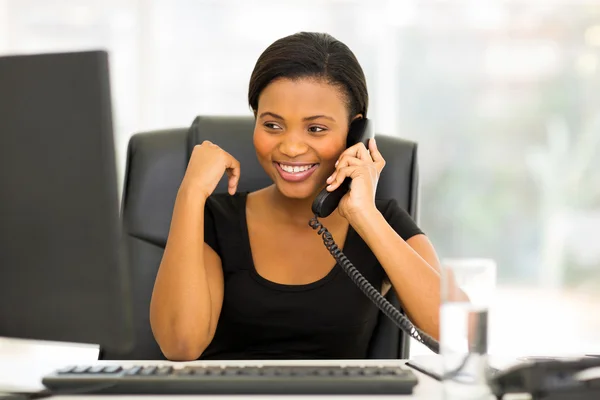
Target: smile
point(295, 173)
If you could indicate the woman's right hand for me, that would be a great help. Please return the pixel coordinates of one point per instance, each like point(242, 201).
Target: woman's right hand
point(206, 167)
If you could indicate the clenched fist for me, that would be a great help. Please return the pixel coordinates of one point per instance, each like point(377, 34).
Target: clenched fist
point(206, 167)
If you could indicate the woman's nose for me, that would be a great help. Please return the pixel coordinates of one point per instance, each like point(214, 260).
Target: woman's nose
point(292, 145)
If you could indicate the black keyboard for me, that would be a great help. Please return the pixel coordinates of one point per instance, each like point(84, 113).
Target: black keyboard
point(115, 379)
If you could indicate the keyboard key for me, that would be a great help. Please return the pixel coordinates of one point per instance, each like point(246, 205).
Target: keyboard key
point(112, 369)
point(200, 371)
point(96, 369)
point(66, 370)
point(232, 371)
point(133, 370)
point(250, 371)
point(214, 371)
point(164, 371)
point(394, 371)
point(300, 371)
point(269, 371)
point(80, 369)
point(183, 371)
point(148, 370)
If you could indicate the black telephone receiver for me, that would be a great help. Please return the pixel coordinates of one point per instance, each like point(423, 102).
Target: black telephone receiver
point(361, 130)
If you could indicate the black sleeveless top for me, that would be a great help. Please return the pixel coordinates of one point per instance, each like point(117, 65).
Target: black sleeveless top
point(327, 319)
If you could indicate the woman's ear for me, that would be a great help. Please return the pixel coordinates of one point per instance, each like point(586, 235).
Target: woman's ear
point(357, 116)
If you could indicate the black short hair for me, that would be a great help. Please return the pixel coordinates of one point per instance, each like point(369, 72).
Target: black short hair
point(311, 55)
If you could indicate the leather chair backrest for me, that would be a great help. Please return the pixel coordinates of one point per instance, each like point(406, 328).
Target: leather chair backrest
point(156, 164)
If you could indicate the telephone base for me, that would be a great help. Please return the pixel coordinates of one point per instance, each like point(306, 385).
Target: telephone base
point(551, 379)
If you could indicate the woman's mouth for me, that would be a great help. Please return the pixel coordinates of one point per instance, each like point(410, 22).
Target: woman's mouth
point(295, 172)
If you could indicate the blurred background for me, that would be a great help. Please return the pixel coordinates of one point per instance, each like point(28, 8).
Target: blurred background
point(503, 98)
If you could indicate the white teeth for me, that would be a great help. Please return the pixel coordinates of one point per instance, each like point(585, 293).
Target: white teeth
point(293, 170)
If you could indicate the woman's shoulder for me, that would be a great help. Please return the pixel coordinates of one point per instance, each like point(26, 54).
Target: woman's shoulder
point(398, 217)
point(225, 204)
point(389, 206)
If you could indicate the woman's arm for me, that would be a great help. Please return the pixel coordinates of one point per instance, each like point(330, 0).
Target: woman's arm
point(188, 292)
point(412, 267)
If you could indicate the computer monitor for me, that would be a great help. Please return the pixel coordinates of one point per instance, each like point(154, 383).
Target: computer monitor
point(63, 275)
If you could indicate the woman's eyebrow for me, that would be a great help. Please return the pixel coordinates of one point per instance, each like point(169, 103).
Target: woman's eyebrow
point(311, 118)
point(268, 113)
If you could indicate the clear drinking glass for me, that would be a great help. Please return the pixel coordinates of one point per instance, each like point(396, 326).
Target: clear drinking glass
point(467, 289)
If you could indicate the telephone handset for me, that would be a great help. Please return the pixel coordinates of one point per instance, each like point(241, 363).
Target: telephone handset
point(361, 130)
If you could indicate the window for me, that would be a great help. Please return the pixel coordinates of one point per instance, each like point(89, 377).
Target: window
point(503, 98)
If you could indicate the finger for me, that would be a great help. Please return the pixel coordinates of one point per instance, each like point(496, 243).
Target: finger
point(234, 178)
point(375, 154)
point(352, 150)
point(342, 174)
point(363, 154)
point(331, 177)
point(345, 156)
point(346, 161)
point(232, 167)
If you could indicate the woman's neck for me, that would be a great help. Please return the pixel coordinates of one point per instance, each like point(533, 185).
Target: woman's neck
point(293, 211)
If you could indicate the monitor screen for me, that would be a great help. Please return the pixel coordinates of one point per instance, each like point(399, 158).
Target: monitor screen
point(63, 274)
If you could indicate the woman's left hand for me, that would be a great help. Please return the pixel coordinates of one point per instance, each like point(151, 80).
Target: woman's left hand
point(364, 169)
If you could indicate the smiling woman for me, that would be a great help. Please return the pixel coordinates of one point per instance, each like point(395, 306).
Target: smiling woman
point(256, 282)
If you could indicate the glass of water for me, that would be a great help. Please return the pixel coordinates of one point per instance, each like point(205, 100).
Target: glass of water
point(467, 289)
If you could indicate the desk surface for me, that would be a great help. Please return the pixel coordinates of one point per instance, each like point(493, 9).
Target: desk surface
point(36, 360)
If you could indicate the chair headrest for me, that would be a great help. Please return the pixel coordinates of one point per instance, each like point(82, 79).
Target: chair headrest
point(235, 135)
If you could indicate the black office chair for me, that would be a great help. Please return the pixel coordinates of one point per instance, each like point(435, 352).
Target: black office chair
point(156, 163)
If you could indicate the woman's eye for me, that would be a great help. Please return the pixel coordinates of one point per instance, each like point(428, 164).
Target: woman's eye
point(270, 125)
point(316, 129)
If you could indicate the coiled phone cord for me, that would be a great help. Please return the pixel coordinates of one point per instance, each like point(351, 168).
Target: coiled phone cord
point(373, 294)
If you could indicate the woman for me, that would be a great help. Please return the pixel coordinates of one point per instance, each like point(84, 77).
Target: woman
point(243, 275)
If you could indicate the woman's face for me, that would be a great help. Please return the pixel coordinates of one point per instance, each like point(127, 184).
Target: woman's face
point(301, 128)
